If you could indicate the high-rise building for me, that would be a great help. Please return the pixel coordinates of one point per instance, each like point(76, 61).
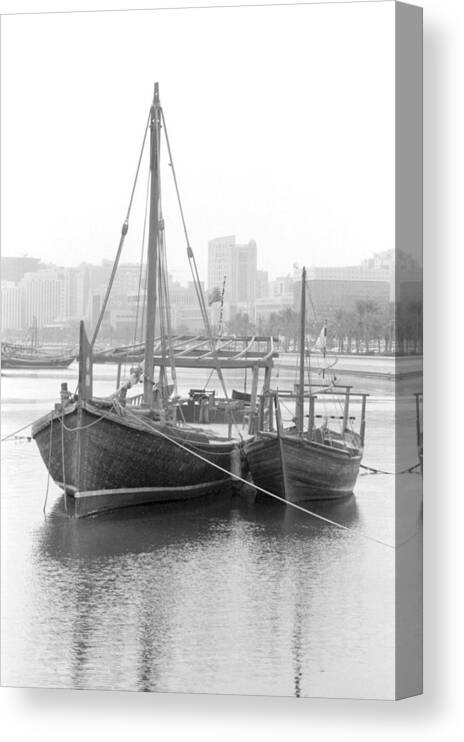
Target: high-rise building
point(127, 278)
point(76, 292)
point(333, 288)
point(281, 286)
point(122, 301)
point(220, 264)
point(383, 278)
point(11, 307)
point(268, 305)
point(42, 296)
point(185, 310)
point(262, 284)
point(236, 264)
point(245, 277)
point(278, 298)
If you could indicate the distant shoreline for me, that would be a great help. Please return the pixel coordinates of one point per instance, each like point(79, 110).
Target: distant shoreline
point(392, 368)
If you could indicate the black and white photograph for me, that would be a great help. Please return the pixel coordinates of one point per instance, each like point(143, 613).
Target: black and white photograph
point(211, 350)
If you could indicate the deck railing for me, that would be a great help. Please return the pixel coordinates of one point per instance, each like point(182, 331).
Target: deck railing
point(134, 401)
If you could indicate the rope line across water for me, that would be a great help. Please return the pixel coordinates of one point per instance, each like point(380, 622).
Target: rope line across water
point(372, 470)
point(267, 492)
point(14, 434)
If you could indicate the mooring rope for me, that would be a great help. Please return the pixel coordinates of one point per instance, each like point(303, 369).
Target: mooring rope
point(27, 438)
point(15, 432)
point(372, 470)
point(267, 492)
point(14, 435)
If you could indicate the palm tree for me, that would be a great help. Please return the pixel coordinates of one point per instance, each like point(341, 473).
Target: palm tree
point(240, 324)
point(340, 328)
point(366, 311)
point(389, 326)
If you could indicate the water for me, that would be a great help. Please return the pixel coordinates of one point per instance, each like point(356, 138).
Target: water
point(218, 596)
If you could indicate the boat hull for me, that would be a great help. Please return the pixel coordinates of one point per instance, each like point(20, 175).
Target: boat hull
point(35, 363)
point(107, 461)
point(299, 470)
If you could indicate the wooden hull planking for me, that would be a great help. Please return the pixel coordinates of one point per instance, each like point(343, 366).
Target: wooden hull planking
point(36, 363)
point(310, 471)
point(106, 461)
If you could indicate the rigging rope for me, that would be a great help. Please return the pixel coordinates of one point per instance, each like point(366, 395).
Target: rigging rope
point(209, 377)
point(164, 290)
point(142, 253)
point(124, 231)
point(267, 492)
point(196, 277)
point(191, 257)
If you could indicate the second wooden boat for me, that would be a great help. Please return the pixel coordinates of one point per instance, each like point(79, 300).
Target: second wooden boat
point(306, 463)
point(307, 467)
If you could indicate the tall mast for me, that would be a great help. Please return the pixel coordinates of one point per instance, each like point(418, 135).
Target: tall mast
point(153, 243)
point(300, 399)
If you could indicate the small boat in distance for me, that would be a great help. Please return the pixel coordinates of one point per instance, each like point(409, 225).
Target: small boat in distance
point(16, 356)
point(301, 463)
point(31, 356)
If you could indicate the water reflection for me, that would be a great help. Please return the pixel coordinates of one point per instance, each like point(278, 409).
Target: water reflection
point(147, 528)
point(156, 593)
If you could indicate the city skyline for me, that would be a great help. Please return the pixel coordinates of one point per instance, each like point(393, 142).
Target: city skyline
point(182, 270)
point(34, 292)
point(186, 277)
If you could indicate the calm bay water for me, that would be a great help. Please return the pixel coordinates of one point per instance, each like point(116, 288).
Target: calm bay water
point(218, 596)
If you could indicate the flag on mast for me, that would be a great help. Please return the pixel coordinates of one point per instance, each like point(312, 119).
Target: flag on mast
point(321, 342)
point(214, 296)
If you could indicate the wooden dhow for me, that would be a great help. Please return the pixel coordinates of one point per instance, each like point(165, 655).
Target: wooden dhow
point(302, 463)
point(133, 449)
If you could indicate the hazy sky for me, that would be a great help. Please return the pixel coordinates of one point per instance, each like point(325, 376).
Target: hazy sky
point(281, 122)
